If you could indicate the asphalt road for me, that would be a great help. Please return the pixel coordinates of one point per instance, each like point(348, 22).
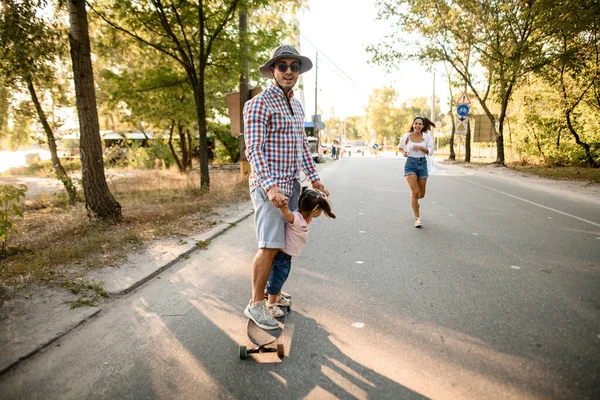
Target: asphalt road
point(497, 297)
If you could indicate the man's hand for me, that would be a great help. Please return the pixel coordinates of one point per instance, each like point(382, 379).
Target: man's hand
point(275, 194)
point(319, 186)
point(281, 199)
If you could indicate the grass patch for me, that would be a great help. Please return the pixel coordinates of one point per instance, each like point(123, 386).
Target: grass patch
point(59, 244)
point(80, 286)
point(83, 302)
point(203, 244)
point(591, 175)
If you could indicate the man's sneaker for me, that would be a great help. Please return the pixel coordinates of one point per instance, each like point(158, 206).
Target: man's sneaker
point(418, 223)
point(260, 314)
point(283, 302)
point(275, 311)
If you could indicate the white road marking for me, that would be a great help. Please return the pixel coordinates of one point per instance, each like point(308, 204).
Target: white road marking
point(361, 231)
point(533, 202)
point(475, 234)
point(360, 262)
point(358, 325)
point(515, 267)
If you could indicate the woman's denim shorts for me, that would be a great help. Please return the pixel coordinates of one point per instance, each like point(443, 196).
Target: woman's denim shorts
point(416, 166)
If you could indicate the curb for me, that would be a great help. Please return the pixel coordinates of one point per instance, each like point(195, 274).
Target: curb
point(206, 237)
point(14, 348)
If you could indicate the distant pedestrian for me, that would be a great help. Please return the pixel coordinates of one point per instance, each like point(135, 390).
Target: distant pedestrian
point(415, 146)
point(277, 149)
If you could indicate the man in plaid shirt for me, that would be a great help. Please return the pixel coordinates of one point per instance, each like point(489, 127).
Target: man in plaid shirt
point(276, 148)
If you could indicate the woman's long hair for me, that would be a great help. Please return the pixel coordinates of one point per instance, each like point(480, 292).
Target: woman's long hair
point(427, 124)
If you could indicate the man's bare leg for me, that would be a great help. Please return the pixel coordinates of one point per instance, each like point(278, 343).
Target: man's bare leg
point(261, 268)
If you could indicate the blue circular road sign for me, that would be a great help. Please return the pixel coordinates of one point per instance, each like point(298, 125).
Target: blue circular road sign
point(463, 110)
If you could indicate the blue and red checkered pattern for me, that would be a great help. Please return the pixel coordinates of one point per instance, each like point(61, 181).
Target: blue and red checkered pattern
point(276, 144)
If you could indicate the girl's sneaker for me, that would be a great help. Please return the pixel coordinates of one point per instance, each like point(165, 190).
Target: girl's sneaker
point(282, 294)
point(276, 312)
point(283, 302)
point(418, 223)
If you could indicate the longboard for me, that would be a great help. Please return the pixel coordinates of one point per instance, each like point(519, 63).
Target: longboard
point(263, 338)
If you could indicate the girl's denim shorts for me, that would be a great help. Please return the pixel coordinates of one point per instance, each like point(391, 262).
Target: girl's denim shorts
point(416, 166)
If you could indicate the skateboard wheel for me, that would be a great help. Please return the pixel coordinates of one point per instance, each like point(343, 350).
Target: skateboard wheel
point(243, 352)
point(280, 350)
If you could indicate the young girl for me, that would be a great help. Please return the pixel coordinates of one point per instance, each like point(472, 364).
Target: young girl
point(311, 204)
point(416, 145)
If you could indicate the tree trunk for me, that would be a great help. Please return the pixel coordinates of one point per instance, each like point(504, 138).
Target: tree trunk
point(175, 156)
point(99, 202)
point(188, 134)
point(185, 154)
point(203, 150)
point(586, 147)
point(61, 174)
point(506, 93)
point(468, 144)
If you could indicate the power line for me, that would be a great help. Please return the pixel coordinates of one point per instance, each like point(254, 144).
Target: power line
point(330, 60)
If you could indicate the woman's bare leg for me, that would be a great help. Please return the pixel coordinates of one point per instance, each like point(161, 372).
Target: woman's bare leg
point(413, 184)
point(422, 184)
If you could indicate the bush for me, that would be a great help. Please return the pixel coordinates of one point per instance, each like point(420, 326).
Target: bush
point(10, 197)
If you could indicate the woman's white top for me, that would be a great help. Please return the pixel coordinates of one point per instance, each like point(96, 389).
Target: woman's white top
point(407, 145)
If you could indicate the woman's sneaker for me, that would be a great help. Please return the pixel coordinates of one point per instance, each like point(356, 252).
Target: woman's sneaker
point(276, 312)
point(261, 315)
point(418, 223)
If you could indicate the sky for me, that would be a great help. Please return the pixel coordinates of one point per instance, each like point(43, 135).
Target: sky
point(340, 31)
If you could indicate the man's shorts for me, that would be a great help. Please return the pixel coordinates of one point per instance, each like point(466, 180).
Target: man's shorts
point(416, 166)
point(268, 220)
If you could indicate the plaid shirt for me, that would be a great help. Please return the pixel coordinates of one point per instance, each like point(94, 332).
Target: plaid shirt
point(276, 143)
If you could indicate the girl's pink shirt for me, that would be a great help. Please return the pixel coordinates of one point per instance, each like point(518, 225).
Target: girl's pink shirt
point(296, 235)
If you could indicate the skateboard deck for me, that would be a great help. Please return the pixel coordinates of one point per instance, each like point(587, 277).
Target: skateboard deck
point(263, 338)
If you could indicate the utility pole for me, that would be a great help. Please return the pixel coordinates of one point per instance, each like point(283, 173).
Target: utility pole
point(244, 90)
point(300, 78)
point(433, 100)
point(316, 77)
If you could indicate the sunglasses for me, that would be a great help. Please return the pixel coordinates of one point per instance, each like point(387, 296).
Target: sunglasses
point(282, 67)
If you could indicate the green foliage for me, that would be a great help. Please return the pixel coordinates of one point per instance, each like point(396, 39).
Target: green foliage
point(33, 45)
point(498, 47)
point(10, 197)
point(227, 147)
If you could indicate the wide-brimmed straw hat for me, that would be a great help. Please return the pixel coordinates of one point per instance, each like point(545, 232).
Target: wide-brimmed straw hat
point(285, 51)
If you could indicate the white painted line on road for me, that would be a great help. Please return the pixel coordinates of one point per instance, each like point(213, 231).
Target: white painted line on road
point(515, 267)
point(360, 213)
point(358, 325)
point(361, 231)
point(534, 203)
point(360, 262)
point(475, 234)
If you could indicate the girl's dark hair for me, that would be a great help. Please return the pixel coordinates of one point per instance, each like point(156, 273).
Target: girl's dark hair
point(427, 124)
point(311, 200)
